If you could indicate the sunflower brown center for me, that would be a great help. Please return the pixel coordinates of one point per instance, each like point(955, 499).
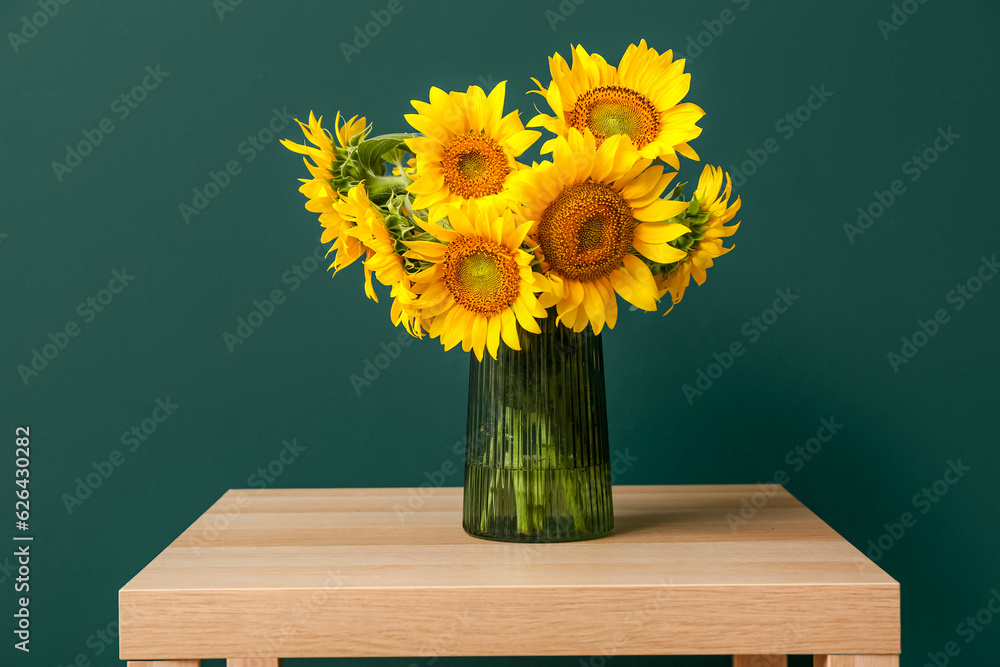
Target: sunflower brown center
point(481, 275)
point(474, 165)
point(610, 110)
point(586, 231)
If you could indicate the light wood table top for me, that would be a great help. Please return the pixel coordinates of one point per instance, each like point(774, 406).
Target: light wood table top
point(388, 572)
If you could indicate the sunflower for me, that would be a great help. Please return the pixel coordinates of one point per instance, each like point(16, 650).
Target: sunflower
point(479, 286)
point(706, 216)
point(640, 98)
point(344, 214)
point(469, 147)
point(595, 211)
point(321, 195)
point(381, 259)
point(323, 151)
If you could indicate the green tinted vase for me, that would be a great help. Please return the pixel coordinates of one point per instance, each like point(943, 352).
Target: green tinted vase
point(537, 463)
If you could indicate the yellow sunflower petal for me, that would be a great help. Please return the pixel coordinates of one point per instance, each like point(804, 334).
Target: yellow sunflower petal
point(660, 209)
point(493, 335)
point(508, 329)
point(660, 252)
point(480, 327)
point(659, 232)
point(427, 249)
point(524, 317)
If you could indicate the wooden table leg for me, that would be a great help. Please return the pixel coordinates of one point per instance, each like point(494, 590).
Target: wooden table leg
point(855, 661)
point(253, 662)
point(760, 661)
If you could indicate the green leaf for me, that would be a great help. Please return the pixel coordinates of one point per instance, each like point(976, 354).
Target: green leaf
point(382, 188)
point(396, 155)
point(372, 152)
point(399, 136)
point(677, 192)
point(370, 155)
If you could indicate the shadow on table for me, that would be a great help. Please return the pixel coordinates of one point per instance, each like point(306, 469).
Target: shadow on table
point(706, 523)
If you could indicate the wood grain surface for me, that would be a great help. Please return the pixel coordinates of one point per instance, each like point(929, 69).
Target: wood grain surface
point(390, 572)
point(856, 661)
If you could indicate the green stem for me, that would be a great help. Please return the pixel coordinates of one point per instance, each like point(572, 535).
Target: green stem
point(517, 473)
point(489, 464)
point(567, 474)
point(520, 501)
point(378, 186)
point(530, 481)
point(572, 488)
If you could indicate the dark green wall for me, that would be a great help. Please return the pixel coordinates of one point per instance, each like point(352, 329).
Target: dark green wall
point(162, 336)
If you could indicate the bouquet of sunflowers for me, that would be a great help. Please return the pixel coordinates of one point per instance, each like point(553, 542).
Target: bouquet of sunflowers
point(476, 245)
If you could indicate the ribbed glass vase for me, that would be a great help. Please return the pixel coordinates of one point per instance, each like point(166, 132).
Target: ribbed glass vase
point(537, 463)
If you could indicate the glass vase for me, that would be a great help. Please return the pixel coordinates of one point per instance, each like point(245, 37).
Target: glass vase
point(537, 466)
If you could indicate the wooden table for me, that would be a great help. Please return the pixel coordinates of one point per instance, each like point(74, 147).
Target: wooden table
point(746, 571)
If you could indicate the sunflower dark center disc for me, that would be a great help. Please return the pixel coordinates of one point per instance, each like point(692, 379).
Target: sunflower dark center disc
point(474, 165)
point(610, 110)
point(481, 275)
point(586, 231)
